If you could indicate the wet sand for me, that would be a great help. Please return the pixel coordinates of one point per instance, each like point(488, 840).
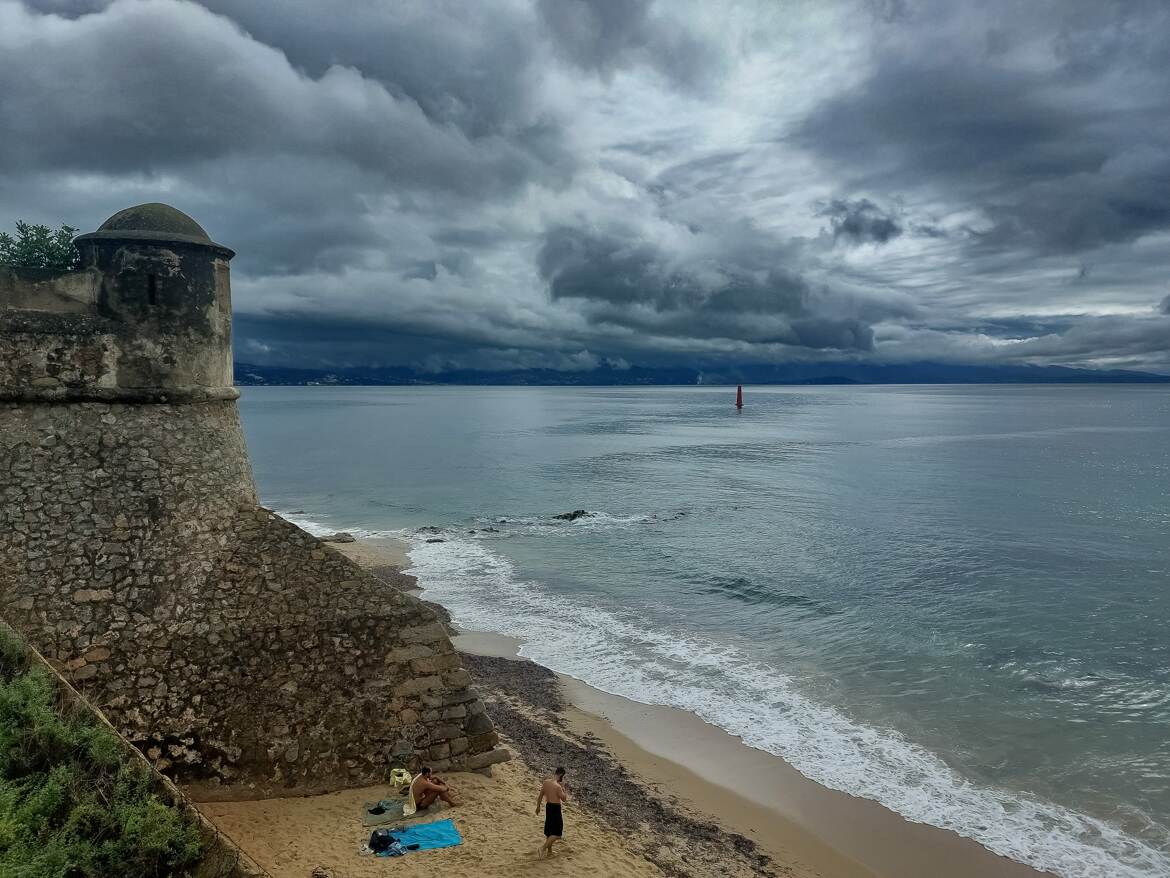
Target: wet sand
point(759, 795)
point(383, 555)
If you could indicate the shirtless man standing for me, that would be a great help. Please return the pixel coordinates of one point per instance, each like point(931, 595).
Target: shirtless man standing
point(553, 791)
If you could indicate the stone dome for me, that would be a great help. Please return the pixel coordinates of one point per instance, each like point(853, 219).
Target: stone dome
point(153, 222)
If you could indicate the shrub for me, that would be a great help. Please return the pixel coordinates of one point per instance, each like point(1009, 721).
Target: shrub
point(39, 247)
point(72, 805)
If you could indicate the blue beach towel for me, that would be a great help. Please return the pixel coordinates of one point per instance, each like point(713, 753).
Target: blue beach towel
point(428, 836)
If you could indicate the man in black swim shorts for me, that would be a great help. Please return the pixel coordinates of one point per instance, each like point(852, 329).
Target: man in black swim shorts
point(553, 792)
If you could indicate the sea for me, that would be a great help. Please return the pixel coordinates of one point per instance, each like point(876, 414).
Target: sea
point(953, 600)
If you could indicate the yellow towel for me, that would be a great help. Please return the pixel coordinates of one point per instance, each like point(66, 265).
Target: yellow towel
point(399, 776)
point(410, 807)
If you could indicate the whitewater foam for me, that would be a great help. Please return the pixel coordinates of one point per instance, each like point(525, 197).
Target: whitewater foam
point(324, 529)
point(616, 653)
point(590, 522)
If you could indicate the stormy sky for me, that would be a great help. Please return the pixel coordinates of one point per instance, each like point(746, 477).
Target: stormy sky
point(566, 183)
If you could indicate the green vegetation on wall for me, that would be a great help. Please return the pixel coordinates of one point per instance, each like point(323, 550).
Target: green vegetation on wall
point(39, 247)
point(72, 804)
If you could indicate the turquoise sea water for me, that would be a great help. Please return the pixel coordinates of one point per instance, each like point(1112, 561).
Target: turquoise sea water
point(953, 600)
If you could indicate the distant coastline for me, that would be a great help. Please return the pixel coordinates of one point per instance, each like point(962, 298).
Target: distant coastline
point(796, 374)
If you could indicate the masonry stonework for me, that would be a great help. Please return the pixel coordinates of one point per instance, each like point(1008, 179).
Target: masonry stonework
point(234, 649)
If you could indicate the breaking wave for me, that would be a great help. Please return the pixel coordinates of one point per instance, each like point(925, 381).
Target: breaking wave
point(617, 653)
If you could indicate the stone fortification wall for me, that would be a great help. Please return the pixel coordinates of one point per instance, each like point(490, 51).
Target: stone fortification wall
point(49, 289)
point(227, 644)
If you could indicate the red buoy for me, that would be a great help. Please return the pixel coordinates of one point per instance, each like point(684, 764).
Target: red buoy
point(739, 396)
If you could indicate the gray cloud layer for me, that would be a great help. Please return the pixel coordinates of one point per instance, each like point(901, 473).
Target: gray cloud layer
point(564, 182)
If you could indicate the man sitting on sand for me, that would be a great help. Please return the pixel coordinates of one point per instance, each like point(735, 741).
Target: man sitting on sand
point(553, 790)
point(425, 789)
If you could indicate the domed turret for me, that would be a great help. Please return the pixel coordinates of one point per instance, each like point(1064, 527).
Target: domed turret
point(166, 285)
point(153, 222)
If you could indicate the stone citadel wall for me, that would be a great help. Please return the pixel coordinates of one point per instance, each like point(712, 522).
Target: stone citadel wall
point(227, 644)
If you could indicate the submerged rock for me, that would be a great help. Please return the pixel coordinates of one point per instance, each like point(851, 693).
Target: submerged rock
point(573, 516)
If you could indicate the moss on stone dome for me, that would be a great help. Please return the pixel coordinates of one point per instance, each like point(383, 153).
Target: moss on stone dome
point(152, 222)
point(154, 217)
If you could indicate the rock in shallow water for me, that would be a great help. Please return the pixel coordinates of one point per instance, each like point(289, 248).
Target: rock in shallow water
point(573, 516)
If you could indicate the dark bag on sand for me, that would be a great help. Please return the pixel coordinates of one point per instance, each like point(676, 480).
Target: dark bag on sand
point(380, 840)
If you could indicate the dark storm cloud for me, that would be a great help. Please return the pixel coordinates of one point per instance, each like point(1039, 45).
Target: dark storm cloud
point(638, 286)
point(607, 35)
point(860, 221)
point(1058, 159)
point(515, 183)
point(616, 268)
point(463, 63)
point(185, 86)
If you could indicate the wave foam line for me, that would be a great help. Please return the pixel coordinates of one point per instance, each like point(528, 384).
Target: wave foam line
point(322, 529)
point(618, 654)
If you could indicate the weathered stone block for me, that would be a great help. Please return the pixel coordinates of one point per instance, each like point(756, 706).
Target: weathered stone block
point(480, 743)
point(445, 732)
point(435, 664)
point(459, 696)
point(98, 653)
point(491, 757)
point(478, 724)
point(423, 634)
point(418, 685)
point(407, 653)
point(457, 678)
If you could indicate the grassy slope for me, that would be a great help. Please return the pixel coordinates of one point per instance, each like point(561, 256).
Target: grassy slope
point(72, 805)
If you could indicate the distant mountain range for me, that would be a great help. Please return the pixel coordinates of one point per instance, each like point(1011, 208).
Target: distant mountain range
point(248, 374)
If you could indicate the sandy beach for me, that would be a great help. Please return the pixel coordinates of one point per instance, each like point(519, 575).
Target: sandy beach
point(656, 791)
point(292, 837)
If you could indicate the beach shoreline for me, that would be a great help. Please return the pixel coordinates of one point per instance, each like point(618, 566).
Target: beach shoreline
point(809, 828)
point(800, 823)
